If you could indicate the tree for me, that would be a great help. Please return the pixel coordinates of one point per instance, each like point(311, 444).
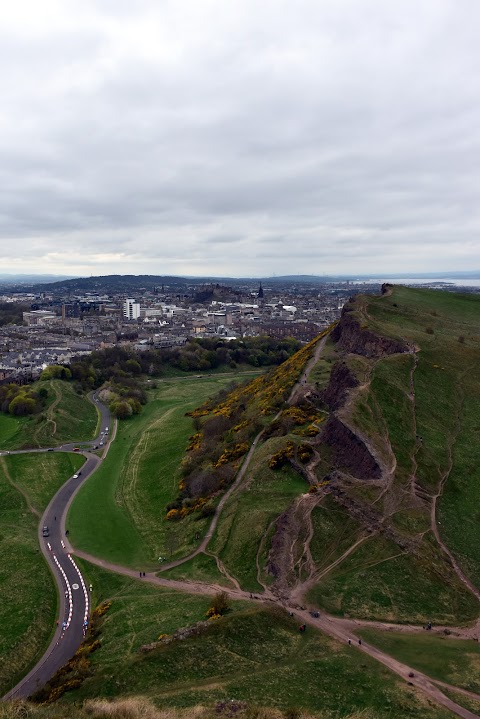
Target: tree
point(121, 409)
point(21, 406)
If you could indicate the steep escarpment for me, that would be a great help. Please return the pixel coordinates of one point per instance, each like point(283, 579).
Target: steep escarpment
point(342, 379)
point(351, 337)
point(350, 453)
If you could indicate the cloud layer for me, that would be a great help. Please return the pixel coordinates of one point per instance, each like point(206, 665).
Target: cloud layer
point(239, 138)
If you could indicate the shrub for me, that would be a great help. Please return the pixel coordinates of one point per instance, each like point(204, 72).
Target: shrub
point(220, 605)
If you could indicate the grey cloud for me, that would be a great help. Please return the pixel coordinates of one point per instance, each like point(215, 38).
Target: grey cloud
point(151, 133)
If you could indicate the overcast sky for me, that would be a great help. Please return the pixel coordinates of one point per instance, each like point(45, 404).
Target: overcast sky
point(239, 137)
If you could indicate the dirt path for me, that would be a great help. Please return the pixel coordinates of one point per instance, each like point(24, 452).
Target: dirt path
point(223, 570)
point(21, 491)
point(50, 412)
point(300, 384)
point(335, 627)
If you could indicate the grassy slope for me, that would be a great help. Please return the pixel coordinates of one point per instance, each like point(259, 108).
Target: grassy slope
point(67, 417)
point(202, 568)
point(119, 513)
point(432, 437)
point(253, 654)
point(28, 606)
point(453, 661)
point(248, 514)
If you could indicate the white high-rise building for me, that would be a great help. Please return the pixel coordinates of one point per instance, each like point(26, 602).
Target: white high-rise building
point(131, 309)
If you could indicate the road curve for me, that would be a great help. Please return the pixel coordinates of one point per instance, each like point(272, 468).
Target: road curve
point(74, 605)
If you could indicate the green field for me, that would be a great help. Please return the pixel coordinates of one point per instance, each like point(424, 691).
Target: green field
point(119, 514)
point(254, 654)
point(379, 581)
point(201, 568)
point(67, 417)
point(450, 660)
point(28, 595)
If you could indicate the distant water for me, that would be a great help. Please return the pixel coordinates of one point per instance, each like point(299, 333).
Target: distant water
point(422, 281)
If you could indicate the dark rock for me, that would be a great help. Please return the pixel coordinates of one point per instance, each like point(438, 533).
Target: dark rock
point(350, 452)
point(351, 337)
point(341, 380)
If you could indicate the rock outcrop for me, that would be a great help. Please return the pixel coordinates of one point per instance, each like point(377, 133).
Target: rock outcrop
point(350, 452)
point(341, 380)
point(351, 337)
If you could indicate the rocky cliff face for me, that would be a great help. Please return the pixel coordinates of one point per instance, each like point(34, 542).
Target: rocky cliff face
point(351, 337)
point(350, 453)
point(341, 380)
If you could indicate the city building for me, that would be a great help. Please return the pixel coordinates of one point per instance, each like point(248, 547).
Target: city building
point(131, 309)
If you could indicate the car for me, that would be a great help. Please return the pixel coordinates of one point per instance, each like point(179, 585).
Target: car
point(101, 444)
point(76, 449)
point(50, 449)
point(45, 531)
point(75, 476)
point(106, 429)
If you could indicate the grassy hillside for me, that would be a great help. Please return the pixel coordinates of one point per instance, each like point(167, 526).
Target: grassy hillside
point(119, 514)
point(253, 654)
point(415, 411)
point(454, 661)
point(67, 417)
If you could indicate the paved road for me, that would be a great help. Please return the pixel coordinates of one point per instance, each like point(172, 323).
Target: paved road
point(74, 594)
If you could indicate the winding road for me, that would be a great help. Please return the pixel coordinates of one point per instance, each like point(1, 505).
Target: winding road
point(74, 594)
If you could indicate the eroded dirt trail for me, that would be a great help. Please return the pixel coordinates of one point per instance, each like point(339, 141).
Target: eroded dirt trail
point(17, 488)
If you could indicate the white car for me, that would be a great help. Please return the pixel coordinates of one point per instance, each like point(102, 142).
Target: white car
point(75, 476)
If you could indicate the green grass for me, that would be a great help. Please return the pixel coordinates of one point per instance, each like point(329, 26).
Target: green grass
point(463, 700)
point(13, 429)
point(334, 532)
point(421, 410)
point(119, 514)
point(29, 601)
point(459, 508)
point(40, 475)
point(454, 661)
point(254, 654)
point(378, 581)
point(67, 417)
point(251, 510)
point(202, 568)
